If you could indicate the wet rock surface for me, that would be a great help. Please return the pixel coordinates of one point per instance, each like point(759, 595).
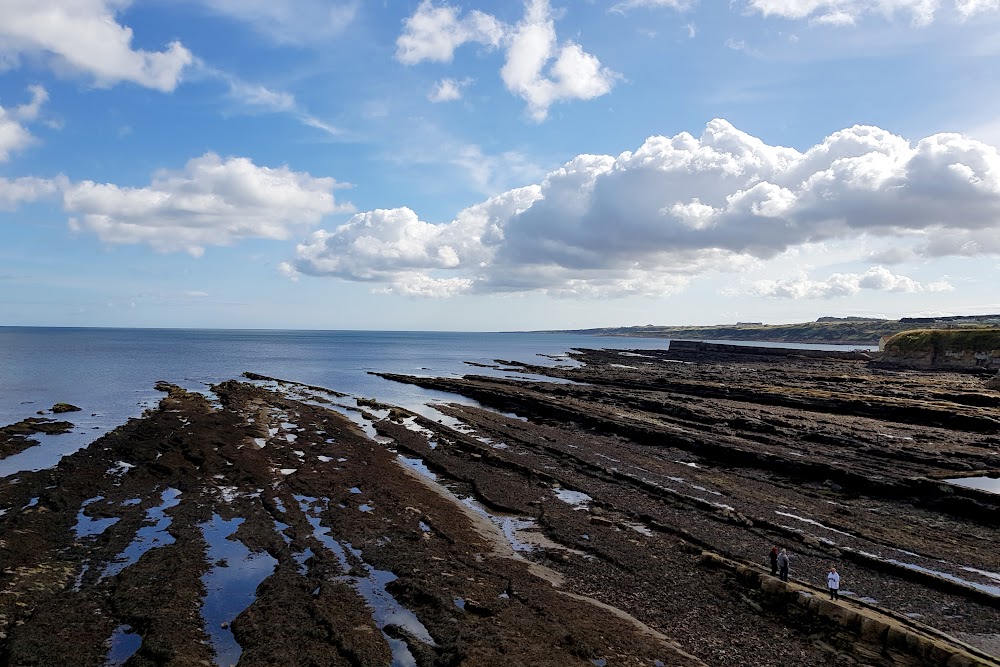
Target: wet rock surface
point(557, 523)
point(16, 437)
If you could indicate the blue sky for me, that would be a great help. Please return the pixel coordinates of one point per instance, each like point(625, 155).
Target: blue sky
point(338, 164)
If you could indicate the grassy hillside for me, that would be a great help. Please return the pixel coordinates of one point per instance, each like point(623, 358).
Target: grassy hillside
point(848, 331)
point(938, 340)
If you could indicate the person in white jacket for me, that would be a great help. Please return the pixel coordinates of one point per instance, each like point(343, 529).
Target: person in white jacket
point(833, 582)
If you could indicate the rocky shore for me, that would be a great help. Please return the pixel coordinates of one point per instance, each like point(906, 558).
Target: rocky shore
point(616, 509)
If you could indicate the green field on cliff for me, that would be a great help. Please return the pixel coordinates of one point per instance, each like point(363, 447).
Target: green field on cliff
point(826, 330)
point(938, 340)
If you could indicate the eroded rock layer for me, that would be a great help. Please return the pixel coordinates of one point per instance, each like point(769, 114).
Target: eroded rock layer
point(619, 514)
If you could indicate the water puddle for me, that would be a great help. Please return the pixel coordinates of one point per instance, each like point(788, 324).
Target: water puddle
point(120, 468)
point(121, 646)
point(357, 418)
point(510, 525)
point(86, 526)
point(231, 585)
point(640, 528)
point(533, 377)
point(281, 528)
point(988, 484)
point(148, 537)
point(418, 465)
point(51, 448)
point(811, 522)
point(386, 610)
point(411, 425)
point(577, 499)
point(78, 582)
point(301, 557)
point(985, 588)
point(989, 575)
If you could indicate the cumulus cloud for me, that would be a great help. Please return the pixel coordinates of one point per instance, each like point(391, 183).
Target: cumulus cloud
point(212, 201)
point(396, 247)
point(447, 90)
point(434, 32)
point(289, 21)
point(27, 189)
point(85, 36)
point(537, 68)
point(574, 74)
point(14, 136)
point(678, 207)
point(879, 279)
point(849, 12)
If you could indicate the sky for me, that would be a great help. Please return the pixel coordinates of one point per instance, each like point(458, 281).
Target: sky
point(485, 166)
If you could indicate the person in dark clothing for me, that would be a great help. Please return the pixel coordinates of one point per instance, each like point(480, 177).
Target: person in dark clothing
point(783, 565)
point(774, 561)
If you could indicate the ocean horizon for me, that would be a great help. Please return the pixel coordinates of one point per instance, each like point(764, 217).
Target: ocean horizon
point(110, 372)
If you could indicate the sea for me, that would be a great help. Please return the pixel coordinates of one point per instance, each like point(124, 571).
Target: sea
point(110, 373)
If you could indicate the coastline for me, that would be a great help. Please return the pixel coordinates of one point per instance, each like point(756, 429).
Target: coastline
point(626, 471)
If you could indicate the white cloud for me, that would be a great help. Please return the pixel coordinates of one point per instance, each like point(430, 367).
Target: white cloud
point(537, 68)
point(257, 98)
point(939, 286)
point(27, 189)
point(849, 12)
point(679, 5)
point(14, 136)
point(419, 284)
point(394, 245)
point(447, 90)
point(967, 8)
point(877, 279)
point(575, 74)
point(289, 21)
point(84, 36)
point(433, 33)
point(210, 202)
point(678, 207)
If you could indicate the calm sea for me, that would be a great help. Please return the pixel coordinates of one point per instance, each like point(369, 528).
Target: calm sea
point(110, 372)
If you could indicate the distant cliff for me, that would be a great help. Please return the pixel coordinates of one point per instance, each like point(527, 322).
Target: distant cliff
point(943, 349)
point(827, 330)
